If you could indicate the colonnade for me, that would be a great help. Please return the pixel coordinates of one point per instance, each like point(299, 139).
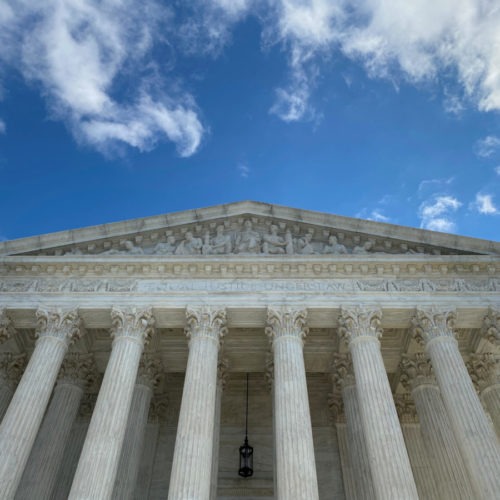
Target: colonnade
point(458, 436)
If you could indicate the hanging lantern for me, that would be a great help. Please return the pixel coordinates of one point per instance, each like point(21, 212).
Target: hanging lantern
point(246, 451)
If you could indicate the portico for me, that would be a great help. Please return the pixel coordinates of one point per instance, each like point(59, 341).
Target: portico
point(153, 311)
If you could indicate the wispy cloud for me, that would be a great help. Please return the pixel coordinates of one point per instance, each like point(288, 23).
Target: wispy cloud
point(434, 183)
point(94, 63)
point(375, 215)
point(484, 205)
point(3, 127)
point(244, 170)
point(497, 170)
point(488, 146)
point(437, 212)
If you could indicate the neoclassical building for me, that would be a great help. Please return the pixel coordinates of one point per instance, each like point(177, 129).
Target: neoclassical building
point(372, 354)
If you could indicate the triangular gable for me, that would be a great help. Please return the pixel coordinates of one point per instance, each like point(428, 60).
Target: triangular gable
point(247, 228)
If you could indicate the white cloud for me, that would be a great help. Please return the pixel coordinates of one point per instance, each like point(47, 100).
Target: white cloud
point(3, 127)
point(378, 216)
point(435, 213)
point(93, 62)
point(484, 204)
point(244, 170)
point(488, 146)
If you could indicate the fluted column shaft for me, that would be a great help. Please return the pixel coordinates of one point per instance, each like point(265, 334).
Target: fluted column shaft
point(96, 472)
point(192, 463)
point(389, 462)
point(345, 461)
point(43, 464)
point(491, 399)
point(6, 393)
point(343, 379)
point(295, 462)
point(25, 413)
point(128, 467)
point(221, 381)
point(473, 433)
point(450, 472)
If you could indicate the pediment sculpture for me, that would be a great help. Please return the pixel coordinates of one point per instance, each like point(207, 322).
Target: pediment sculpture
point(247, 238)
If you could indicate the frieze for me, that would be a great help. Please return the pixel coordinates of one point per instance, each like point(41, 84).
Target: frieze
point(247, 236)
point(104, 285)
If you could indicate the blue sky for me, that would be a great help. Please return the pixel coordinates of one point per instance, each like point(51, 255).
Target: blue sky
point(117, 109)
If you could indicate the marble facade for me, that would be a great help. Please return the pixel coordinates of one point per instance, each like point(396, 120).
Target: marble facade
point(372, 352)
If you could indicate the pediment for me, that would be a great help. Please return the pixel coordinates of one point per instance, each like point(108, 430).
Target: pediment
point(246, 229)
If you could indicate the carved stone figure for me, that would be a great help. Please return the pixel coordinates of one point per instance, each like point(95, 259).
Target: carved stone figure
point(132, 249)
point(273, 243)
point(248, 240)
point(190, 245)
point(363, 249)
point(304, 245)
point(221, 243)
point(289, 242)
point(167, 248)
point(333, 247)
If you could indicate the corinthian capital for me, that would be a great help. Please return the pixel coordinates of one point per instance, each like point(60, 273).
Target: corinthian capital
point(342, 372)
point(6, 328)
point(62, 324)
point(416, 370)
point(222, 371)
point(78, 369)
point(206, 322)
point(12, 367)
point(356, 322)
point(150, 370)
point(132, 323)
point(432, 323)
point(491, 326)
point(336, 407)
point(286, 322)
point(484, 370)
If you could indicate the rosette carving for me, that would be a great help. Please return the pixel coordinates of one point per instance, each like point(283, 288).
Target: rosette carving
point(6, 328)
point(206, 322)
point(12, 368)
point(416, 370)
point(150, 371)
point(432, 323)
point(484, 370)
point(78, 369)
point(133, 323)
point(286, 322)
point(62, 324)
point(491, 326)
point(355, 322)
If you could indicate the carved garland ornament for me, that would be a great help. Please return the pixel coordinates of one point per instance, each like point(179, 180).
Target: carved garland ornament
point(491, 326)
point(342, 371)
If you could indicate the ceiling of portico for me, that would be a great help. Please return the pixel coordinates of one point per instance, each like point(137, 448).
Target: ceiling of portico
point(245, 228)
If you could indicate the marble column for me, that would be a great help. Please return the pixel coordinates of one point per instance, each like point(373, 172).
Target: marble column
point(450, 472)
point(150, 372)
point(473, 432)
point(11, 369)
point(96, 472)
point(389, 463)
point(55, 330)
point(485, 373)
point(192, 463)
point(40, 474)
point(419, 459)
point(343, 380)
point(221, 383)
point(295, 462)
